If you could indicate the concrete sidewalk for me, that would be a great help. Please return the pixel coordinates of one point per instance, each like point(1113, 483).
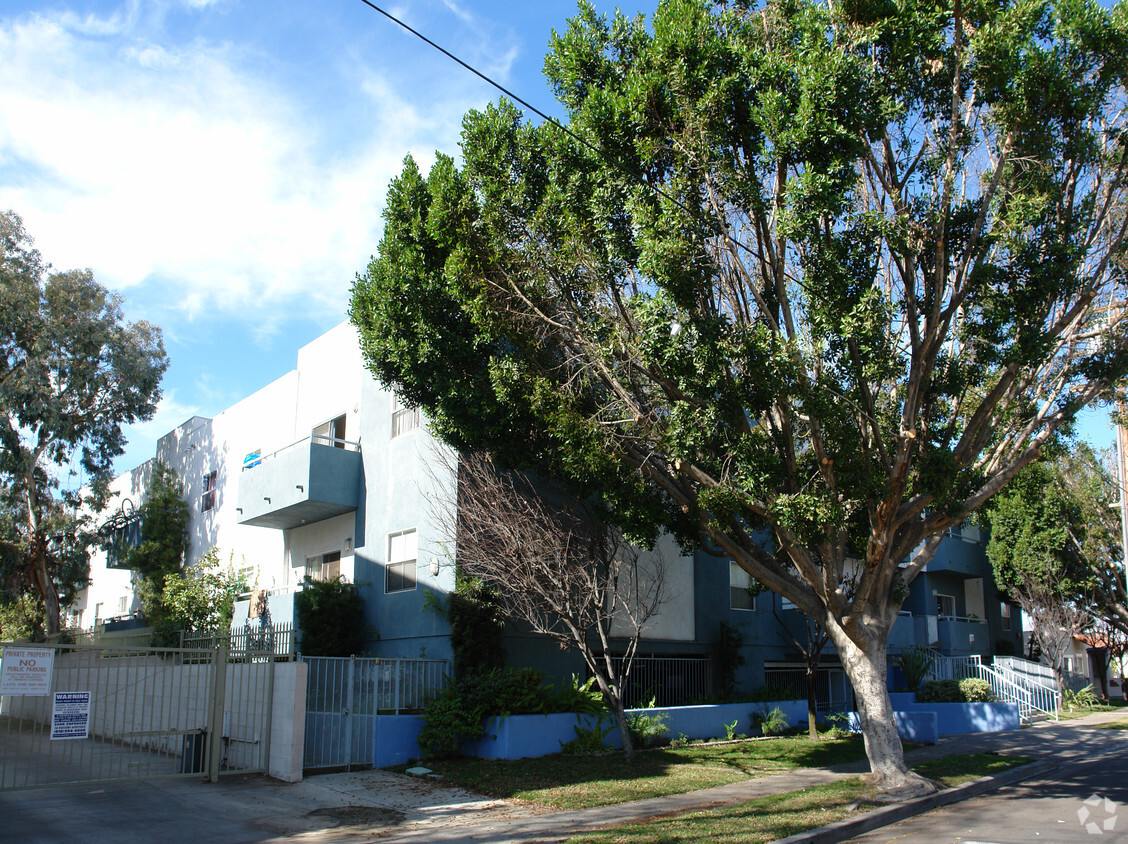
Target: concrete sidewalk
point(380, 806)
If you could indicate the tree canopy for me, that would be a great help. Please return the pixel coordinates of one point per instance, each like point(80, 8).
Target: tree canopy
point(829, 274)
point(72, 373)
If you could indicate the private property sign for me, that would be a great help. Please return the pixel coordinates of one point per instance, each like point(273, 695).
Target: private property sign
point(26, 671)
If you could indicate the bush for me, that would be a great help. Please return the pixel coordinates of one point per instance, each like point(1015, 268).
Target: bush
point(940, 691)
point(459, 713)
point(975, 690)
point(648, 729)
point(770, 722)
point(331, 618)
point(1083, 699)
point(916, 662)
point(969, 690)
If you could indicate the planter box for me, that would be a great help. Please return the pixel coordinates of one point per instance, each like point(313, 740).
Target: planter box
point(921, 727)
point(955, 718)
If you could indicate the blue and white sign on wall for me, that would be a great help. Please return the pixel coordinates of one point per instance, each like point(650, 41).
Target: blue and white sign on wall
point(70, 716)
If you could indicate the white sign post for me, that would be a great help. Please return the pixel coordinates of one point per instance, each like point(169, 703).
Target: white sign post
point(26, 671)
point(70, 717)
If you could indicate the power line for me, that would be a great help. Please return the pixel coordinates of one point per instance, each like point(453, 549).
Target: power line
point(636, 177)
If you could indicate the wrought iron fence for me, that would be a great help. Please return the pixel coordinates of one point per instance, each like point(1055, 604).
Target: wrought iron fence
point(669, 681)
point(275, 641)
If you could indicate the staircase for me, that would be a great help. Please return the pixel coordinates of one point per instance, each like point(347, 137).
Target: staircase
point(1031, 685)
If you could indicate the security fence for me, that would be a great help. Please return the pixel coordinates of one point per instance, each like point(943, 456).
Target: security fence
point(80, 713)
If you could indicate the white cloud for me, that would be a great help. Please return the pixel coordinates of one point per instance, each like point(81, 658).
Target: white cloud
point(156, 162)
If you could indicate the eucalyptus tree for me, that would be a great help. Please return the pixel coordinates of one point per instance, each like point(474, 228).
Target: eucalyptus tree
point(72, 373)
point(804, 283)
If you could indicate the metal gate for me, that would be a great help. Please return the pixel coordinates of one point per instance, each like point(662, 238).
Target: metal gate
point(345, 694)
point(82, 713)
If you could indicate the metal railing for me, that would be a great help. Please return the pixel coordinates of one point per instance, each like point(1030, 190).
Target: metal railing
point(275, 641)
point(1031, 699)
point(1037, 673)
point(252, 461)
point(669, 681)
point(953, 667)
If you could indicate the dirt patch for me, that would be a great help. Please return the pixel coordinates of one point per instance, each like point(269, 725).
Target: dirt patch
point(368, 816)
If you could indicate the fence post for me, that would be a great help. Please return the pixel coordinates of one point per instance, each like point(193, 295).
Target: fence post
point(348, 712)
point(396, 686)
point(219, 699)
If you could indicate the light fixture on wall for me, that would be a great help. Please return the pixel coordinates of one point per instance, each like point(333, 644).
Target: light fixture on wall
point(434, 567)
point(348, 545)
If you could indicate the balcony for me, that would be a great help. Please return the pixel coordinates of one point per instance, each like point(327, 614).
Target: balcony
point(953, 635)
point(311, 480)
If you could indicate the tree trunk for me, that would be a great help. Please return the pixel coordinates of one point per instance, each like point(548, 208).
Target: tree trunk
point(812, 704)
point(866, 669)
point(41, 579)
point(615, 704)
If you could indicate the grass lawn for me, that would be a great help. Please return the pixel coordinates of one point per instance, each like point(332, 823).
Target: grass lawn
point(1111, 705)
point(580, 782)
point(781, 815)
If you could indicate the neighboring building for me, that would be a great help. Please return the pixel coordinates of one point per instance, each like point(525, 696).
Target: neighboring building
point(324, 473)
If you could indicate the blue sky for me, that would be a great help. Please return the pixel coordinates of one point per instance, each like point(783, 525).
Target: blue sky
point(223, 163)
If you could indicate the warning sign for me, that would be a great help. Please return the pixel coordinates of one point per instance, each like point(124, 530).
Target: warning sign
point(70, 717)
point(26, 671)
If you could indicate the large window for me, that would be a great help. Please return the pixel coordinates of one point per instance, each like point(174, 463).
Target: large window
point(331, 432)
point(1005, 614)
point(207, 502)
point(401, 561)
point(324, 566)
point(404, 418)
point(740, 586)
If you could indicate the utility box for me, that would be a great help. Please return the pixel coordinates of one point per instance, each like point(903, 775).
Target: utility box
point(195, 752)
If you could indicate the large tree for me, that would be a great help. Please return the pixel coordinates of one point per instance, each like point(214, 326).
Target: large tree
point(1056, 547)
point(72, 373)
point(799, 282)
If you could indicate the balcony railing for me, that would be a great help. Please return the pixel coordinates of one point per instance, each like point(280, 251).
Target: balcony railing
point(316, 478)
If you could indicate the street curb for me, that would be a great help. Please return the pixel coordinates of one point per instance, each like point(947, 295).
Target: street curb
point(850, 827)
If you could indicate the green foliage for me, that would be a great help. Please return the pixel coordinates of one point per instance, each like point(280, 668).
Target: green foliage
point(582, 698)
point(916, 663)
point(331, 618)
point(968, 690)
point(648, 728)
point(200, 599)
point(975, 690)
point(476, 627)
point(1084, 698)
point(801, 287)
point(72, 373)
point(730, 731)
point(459, 713)
point(590, 740)
point(772, 692)
point(21, 620)
point(770, 722)
point(164, 527)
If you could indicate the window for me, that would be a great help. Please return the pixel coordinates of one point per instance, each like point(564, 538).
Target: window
point(401, 561)
point(945, 605)
point(97, 612)
point(404, 418)
point(740, 582)
point(207, 502)
point(331, 432)
point(325, 567)
point(1005, 614)
point(123, 605)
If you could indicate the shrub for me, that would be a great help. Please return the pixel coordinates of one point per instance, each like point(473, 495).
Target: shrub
point(1083, 699)
point(940, 691)
point(770, 722)
point(975, 690)
point(476, 627)
point(916, 662)
point(648, 728)
point(459, 713)
point(331, 617)
point(581, 698)
point(589, 741)
point(969, 690)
